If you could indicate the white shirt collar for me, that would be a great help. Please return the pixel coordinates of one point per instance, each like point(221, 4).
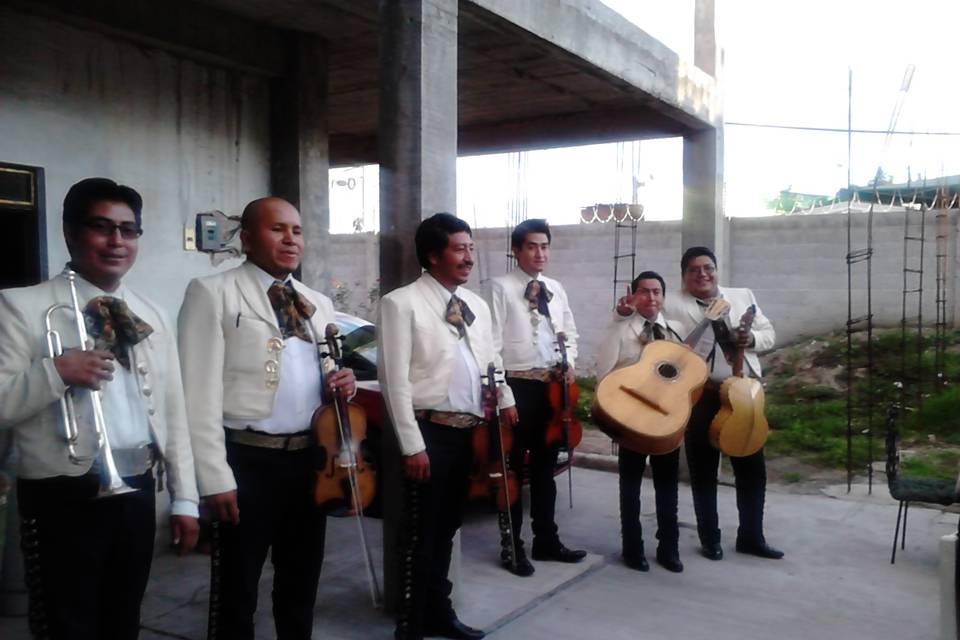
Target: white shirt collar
point(445, 294)
point(526, 277)
point(87, 291)
point(265, 279)
point(658, 320)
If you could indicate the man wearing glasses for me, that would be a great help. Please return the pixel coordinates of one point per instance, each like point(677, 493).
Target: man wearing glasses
point(698, 267)
point(88, 557)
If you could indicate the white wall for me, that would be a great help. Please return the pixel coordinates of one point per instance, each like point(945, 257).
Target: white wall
point(189, 138)
point(794, 264)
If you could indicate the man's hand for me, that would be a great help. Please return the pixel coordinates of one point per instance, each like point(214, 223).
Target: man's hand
point(509, 416)
point(84, 368)
point(570, 377)
point(341, 382)
point(417, 466)
point(745, 339)
point(223, 506)
point(625, 305)
point(184, 531)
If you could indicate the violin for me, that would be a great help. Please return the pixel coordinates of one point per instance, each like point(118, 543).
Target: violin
point(344, 479)
point(563, 430)
point(489, 476)
point(345, 482)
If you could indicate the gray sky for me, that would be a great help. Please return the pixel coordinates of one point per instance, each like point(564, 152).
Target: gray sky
point(785, 63)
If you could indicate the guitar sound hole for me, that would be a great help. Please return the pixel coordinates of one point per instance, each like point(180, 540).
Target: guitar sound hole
point(667, 370)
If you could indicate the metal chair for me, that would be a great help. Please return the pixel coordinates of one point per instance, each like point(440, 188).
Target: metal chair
point(906, 489)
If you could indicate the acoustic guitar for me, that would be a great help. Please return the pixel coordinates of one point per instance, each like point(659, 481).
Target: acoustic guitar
point(740, 427)
point(645, 406)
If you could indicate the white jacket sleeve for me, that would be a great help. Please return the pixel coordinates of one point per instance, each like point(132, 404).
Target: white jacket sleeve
point(201, 345)
point(763, 334)
point(28, 384)
point(394, 352)
point(498, 314)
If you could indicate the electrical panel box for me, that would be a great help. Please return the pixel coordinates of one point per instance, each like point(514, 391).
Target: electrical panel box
point(209, 236)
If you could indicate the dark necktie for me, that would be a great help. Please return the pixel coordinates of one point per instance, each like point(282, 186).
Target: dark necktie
point(538, 296)
point(651, 331)
point(459, 315)
point(292, 310)
point(114, 327)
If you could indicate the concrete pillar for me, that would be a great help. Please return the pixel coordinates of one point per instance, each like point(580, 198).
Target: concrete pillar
point(299, 149)
point(703, 220)
point(417, 142)
point(418, 127)
point(705, 37)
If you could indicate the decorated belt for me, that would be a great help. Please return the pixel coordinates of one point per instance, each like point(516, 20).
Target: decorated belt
point(449, 418)
point(285, 442)
point(539, 374)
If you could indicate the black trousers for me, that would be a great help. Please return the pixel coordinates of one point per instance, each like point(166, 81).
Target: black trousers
point(750, 475)
point(87, 560)
point(433, 512)
point(529, 435)
point(631, 466)
point(277, 513)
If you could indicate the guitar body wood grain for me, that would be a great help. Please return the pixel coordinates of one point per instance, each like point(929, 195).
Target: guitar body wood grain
point(740, 427)
point(645, 406)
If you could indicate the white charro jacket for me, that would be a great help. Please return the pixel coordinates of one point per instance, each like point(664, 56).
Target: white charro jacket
point(416, 350)
point(684, 313)
point(513, 334)
point(31, 388)
point(229, 352)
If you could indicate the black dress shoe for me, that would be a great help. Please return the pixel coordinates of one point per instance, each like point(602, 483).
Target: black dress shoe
point(557, 553)
point(523, 568)
point(636, 561)
point(452, 628)
point(759, 549)
point(669, 560)
point(711, 551)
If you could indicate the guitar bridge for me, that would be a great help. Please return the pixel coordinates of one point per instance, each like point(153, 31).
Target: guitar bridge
point(645, 400)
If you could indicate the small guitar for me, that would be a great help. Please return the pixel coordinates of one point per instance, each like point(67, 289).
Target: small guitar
point(740, 427)
point(645, 406)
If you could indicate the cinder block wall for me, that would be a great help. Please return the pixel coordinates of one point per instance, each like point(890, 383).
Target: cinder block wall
point(795, 264)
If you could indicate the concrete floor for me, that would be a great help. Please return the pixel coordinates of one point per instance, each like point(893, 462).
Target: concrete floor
point(836, 581)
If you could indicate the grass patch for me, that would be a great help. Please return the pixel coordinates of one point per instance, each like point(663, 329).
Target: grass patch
point(793, 477)
point(806, 402)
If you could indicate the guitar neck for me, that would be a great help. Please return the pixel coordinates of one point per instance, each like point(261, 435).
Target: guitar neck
point(694, 338)
point(738, 363)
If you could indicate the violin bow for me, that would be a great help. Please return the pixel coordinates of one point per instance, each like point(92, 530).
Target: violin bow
point(567, 409)
point(335, 354)
point(492, 382)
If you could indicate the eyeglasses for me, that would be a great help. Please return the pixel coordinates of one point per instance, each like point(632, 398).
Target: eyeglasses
point(706, 269)
point(107, 227)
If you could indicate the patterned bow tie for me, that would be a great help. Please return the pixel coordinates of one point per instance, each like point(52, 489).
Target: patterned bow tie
point(538, 296)
point(114, 327)
point(459, 315)
point(293, 311)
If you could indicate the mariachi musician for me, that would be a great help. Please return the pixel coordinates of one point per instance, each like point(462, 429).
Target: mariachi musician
point(529, 310)
point(87, 537)
point(623, 346)
point(253, 379)
point(434, 341)
point(685, 311)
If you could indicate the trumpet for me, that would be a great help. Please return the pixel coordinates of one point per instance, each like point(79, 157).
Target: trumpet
point(111, 483)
